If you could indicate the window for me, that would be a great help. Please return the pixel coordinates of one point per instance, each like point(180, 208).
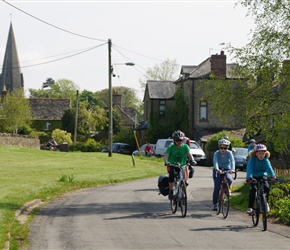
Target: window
point(47, 126)
point(203, 111)
point(161, 108)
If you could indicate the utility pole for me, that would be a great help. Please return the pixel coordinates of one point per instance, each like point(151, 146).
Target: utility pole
point(110, 100)
point(76, 117)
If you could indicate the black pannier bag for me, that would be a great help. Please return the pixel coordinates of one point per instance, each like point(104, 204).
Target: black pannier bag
point(163, 185)
point(191, 171)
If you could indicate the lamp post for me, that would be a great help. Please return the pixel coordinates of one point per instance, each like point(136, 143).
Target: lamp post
point(111, 97)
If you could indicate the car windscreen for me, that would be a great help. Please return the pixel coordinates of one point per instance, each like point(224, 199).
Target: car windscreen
point(194, 145)
point(167, 143)
point(241, 151)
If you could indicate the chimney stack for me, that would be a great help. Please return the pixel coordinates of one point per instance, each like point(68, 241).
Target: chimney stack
point(117, 99)
point(218, 65)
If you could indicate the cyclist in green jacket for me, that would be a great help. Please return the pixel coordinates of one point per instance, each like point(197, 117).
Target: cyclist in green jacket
point(177, 152)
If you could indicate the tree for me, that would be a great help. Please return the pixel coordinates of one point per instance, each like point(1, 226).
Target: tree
point(261, 95)
point(48, 83)
point(15, 112)
point(165, 71)
point(129, 98)
point(181, 112)
point(62, 88)
point(90, 120)
point(92, 99)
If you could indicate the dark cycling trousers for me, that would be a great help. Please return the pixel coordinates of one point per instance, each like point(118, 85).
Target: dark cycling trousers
point(253, 191)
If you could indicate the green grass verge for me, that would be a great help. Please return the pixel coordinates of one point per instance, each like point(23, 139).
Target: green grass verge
point(279, 201)
point(28, 174)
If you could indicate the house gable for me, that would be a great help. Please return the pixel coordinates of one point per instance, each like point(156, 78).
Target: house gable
point(202, 120)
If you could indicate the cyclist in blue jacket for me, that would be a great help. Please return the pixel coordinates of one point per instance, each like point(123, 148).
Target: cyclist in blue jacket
point(223, 159)
point(251, 145)
point(258, 167)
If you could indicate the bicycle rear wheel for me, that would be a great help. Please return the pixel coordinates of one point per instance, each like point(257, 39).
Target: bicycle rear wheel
point(264, 211)
point(225, 203)
point(183, 199)
point(256, 213)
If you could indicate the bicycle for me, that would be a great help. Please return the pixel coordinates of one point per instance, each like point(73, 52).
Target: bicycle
point(260, 203)
point(179, 190)
point(224, 195)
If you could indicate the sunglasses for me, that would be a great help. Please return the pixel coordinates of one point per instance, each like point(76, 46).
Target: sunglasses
point(223, 147)
point(178, 140)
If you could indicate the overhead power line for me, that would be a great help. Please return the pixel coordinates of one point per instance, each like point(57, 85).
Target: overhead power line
point(62, 58)
point(67, 31)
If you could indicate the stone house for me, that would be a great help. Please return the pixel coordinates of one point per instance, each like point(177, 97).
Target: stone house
point(128, 114)
point(48, 112)
point(159, 95)
point(202, 120)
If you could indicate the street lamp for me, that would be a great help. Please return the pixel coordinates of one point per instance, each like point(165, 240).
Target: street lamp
point(110, 70)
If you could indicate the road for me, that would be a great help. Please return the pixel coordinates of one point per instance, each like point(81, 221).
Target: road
point(133, 216)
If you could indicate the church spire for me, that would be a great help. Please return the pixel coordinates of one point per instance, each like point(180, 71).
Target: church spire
point(11, 76)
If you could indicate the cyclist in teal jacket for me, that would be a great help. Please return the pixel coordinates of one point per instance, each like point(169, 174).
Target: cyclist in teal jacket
point(259, 167)
point(223, 159)
point(252, 145)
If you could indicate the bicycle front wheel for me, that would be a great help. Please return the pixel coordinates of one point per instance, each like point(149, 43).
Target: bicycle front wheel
point(183, 199)
point(264, 211)
point(219, 204)
point(173, 202)
point(225, 203)
point(256, 213)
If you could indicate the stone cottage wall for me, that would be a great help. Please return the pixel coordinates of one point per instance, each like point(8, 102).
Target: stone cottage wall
point(19, 140)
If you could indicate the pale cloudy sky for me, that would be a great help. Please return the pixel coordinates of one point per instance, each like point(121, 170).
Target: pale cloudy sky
point(143, 32)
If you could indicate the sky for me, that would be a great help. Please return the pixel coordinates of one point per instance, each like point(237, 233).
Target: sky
point(69, 39)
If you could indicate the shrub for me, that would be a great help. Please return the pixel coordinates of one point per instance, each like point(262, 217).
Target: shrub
point(212, 144)
point(89, 146)
point(42, 136)
point(62, 136)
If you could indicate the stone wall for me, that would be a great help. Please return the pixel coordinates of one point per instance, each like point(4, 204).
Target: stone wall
point(19, 140)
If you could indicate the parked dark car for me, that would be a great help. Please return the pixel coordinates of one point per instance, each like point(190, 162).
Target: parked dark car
point(240, 156)
point(120, 148)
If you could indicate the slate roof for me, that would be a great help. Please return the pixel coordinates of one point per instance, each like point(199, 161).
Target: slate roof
point(160, 89)
point(131, 112)
point(142, 125)
point(49, 109)
point(187, 69)
point(127, 112)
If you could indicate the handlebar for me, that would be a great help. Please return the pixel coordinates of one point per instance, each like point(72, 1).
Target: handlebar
point(234, 172)
point(177, 165)
point(262, 180)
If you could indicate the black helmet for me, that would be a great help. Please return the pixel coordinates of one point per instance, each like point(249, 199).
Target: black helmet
point(177, 135)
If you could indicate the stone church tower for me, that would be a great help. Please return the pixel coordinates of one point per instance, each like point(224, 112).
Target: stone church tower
point(11, 76)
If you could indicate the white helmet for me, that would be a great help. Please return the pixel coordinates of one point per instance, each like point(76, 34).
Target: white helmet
point(224, 142)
